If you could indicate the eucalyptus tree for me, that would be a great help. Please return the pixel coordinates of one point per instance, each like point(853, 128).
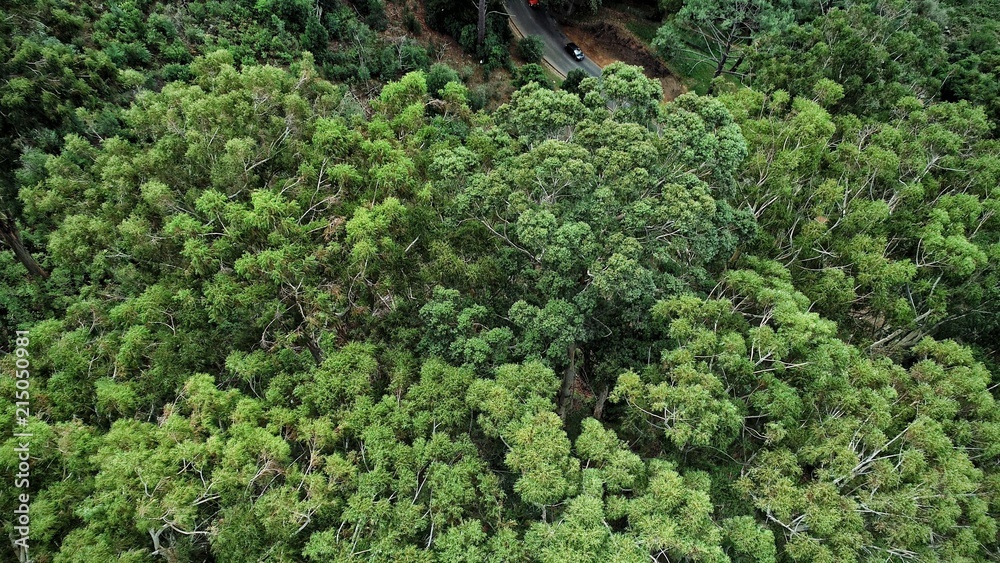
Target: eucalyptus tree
point(843, 456)
point(888, 226)
point(597, 215)
point(713, 31)
point(878, 52)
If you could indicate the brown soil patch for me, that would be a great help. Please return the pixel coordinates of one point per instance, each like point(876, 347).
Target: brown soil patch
point(606, 42)
point(622, 45)
point(598, 51)
point(672, 87)
point(446, 48)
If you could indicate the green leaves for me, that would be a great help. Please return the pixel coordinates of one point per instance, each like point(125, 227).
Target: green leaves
point(619, 468)
point(397, 96)
point(549, 331)
point(437, 400)
point(877, 57)
point(629, 94)
point(870, 211)
point(586, 326)
point(673, 515)
point(702, 135)
point(540, 451)
point(518, 391)
point(691, 408)
point(344, 374)
point(457, 330)
point(719, 32)
point(535, 113)
point(368, 229)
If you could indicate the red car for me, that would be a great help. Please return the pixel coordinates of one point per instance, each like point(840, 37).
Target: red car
point(533, 3)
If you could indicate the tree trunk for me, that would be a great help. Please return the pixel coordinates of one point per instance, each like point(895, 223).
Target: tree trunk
point(155, 534)
point(601, 400)
point(718, 70)
point(569, 379)
point(9, 234)
point(315, 350)
point(722, 63)
point(481, 24)
point(725, 56)
point(738, 62)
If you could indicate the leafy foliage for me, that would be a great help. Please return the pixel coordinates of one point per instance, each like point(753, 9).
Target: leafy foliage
point(531, 48)
point(298, 320)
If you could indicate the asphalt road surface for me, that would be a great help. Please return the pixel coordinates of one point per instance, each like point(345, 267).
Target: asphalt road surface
point(538, 22)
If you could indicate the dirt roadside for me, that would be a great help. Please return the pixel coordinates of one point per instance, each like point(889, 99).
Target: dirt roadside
point(606, 41)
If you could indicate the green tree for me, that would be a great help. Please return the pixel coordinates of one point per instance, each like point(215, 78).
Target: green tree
point(830, 194)
point(530, 48)
point(714, 31)
point(532, 72)
point(877, 56)
point(626, 91)
point(573, 80)
point(439, 75)
point(546, 207)
point(315, 38)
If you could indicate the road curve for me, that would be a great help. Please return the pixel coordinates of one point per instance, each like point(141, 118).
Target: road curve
point(528, 21)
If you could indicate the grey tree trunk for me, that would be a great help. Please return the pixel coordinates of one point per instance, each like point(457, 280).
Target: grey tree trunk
point(481, 24)
point(601, 400)
point(569, 380)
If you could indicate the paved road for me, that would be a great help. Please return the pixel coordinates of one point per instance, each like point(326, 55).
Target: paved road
point(538, 22)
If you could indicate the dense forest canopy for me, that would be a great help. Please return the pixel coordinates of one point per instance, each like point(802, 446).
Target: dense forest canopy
point(297, 290)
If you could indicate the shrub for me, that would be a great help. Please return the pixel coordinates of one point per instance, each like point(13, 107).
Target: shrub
point(531, 49)
point(439, 75)
point(174, 71)
point(531, 73)
point(315, 38)
point(375, 15)
point(573, 80)
point(413, 56)
point(411, 22)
